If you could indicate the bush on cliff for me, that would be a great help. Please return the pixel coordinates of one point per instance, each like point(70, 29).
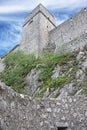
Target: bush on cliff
point(18, 64)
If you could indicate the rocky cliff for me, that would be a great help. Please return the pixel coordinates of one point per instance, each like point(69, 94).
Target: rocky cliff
point(51, 76)
point(67, 77)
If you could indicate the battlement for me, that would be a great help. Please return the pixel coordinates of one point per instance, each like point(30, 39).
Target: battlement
point(40, 9)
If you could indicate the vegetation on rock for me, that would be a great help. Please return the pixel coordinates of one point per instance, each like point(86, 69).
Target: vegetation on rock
point(18, 65)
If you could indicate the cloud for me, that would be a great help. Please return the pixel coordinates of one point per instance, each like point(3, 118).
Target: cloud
point(25, 5)
point(10, 33)
point(16, 16)
point(13, 12)
point(54, 4)
point(10, 9)
point(16, 6)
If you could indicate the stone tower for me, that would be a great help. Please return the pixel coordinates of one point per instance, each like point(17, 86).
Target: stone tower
point(36, 30)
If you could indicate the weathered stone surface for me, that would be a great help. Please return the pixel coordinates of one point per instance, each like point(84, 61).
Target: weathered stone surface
point(70, 35)
point(56, 72)
point(20, 112)
point(80, 55)
point(36, 30)
point(31, 81)
point(85, 64)
point(80, 75)
point(67, 90)
point(2, 66)
point(74, 69)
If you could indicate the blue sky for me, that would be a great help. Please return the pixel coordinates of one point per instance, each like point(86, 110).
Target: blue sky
point(13, 12)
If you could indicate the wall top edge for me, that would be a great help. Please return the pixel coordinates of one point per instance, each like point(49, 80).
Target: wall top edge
point(39, 8)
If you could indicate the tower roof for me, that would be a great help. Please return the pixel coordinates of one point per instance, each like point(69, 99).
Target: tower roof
point(40, 9)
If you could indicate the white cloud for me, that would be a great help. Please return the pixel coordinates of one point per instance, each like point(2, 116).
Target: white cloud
point(11, 9)
point(12, 33)
point(23, 5)
point(65, 3)
point(9, 18)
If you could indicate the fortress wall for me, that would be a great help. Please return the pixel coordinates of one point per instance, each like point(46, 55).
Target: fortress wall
point(77, 43)
point(69, 31)
point(36, 29)
point(45, 27)
point(30, 36)
point(35, 34)
point(21, 112)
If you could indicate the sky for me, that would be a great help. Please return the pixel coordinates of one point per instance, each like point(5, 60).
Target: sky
point(13, 12)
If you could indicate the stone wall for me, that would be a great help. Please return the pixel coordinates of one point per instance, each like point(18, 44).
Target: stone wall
point(72, 34)
point(20, 112)
point(36, 30)
point(30, 36)
point(43, 10)
point(39, 30)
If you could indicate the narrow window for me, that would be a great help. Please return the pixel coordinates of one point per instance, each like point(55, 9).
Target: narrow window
point(30, 21)
point(62, 128)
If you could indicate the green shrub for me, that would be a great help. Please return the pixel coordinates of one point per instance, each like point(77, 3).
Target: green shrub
point(18, 65)
point(49, 61)
point(56, 83)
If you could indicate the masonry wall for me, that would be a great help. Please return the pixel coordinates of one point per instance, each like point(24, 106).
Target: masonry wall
point(30, 36)
point(36, 29)
point(20, 112)
point(70, 35)
point(45, 27)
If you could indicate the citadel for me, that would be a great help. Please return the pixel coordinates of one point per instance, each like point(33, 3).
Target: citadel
point(21, 112)
point(40, 32)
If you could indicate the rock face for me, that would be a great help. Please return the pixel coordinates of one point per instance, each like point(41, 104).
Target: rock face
point(75, 69)
point(31, 81)
point(20, 112)
point(2, 66)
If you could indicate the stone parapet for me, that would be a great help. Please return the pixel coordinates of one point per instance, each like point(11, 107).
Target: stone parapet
point(21, 112)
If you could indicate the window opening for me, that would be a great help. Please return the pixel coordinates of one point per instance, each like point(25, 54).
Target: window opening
point(62, 128)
